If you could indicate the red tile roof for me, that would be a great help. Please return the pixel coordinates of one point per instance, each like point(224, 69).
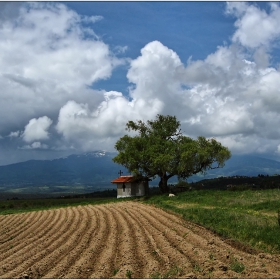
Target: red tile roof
point(124, 179)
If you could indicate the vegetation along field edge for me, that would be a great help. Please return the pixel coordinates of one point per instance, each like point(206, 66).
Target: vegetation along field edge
point(248, 217)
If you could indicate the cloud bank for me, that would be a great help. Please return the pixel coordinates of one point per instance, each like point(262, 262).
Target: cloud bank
point(51, 58)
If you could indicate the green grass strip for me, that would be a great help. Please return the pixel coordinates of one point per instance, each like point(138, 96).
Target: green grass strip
point(246, 216)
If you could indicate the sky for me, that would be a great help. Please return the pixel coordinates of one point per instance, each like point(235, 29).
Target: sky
point(72, 74)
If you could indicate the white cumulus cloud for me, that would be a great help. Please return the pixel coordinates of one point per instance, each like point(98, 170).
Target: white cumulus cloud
point(34, 146)
point(50, 59)
point(84, 126)
point(14, 134)
point(255, 27)
point(47, 58)
point(37, 129)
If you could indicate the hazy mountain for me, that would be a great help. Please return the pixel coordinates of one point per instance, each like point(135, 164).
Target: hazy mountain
point(246, 165)
point(95, 171)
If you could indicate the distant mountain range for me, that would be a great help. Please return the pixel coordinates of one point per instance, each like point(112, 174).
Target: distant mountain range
point(245, 165)
point(93, 171)
point(81, 173)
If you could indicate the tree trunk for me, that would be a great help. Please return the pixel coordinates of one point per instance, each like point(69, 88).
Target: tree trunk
point(163, 184)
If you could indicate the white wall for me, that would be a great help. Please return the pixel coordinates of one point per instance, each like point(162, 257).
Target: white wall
point(131, 189)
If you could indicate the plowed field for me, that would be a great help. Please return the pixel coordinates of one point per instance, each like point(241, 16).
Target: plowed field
point(120, 240)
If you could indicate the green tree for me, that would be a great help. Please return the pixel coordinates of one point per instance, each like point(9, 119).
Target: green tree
point(160, 149)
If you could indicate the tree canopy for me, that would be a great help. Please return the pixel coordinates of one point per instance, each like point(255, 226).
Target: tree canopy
point(160, 149)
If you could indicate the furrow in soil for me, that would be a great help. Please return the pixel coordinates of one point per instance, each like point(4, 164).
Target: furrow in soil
point(84, 264)
point(33, 222)
point(104, 254)
point(68, 241)
point(125, 257)
point(174, 260)
point(210, 256)
point(16, 229)
point(121, 240)
point(37, 249)
point(146, 250)
point(77, 245)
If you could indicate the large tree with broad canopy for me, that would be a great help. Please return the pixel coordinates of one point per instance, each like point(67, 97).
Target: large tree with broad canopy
point(160, 149)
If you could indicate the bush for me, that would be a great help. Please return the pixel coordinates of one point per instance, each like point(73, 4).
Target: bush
point(240, 187)
point(11, 205)
point(183, 184)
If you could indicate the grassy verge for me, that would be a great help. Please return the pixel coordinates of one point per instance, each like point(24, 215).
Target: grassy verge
point(20, 206)
point(250, 217)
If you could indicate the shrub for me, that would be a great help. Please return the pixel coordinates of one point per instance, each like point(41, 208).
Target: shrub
point(237, 266)
point(128, 274)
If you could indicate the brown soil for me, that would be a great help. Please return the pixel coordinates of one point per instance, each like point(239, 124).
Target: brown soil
point(121, 240)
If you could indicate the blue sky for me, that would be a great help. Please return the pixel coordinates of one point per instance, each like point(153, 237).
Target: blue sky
point(73, 73)
point(189, 28)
